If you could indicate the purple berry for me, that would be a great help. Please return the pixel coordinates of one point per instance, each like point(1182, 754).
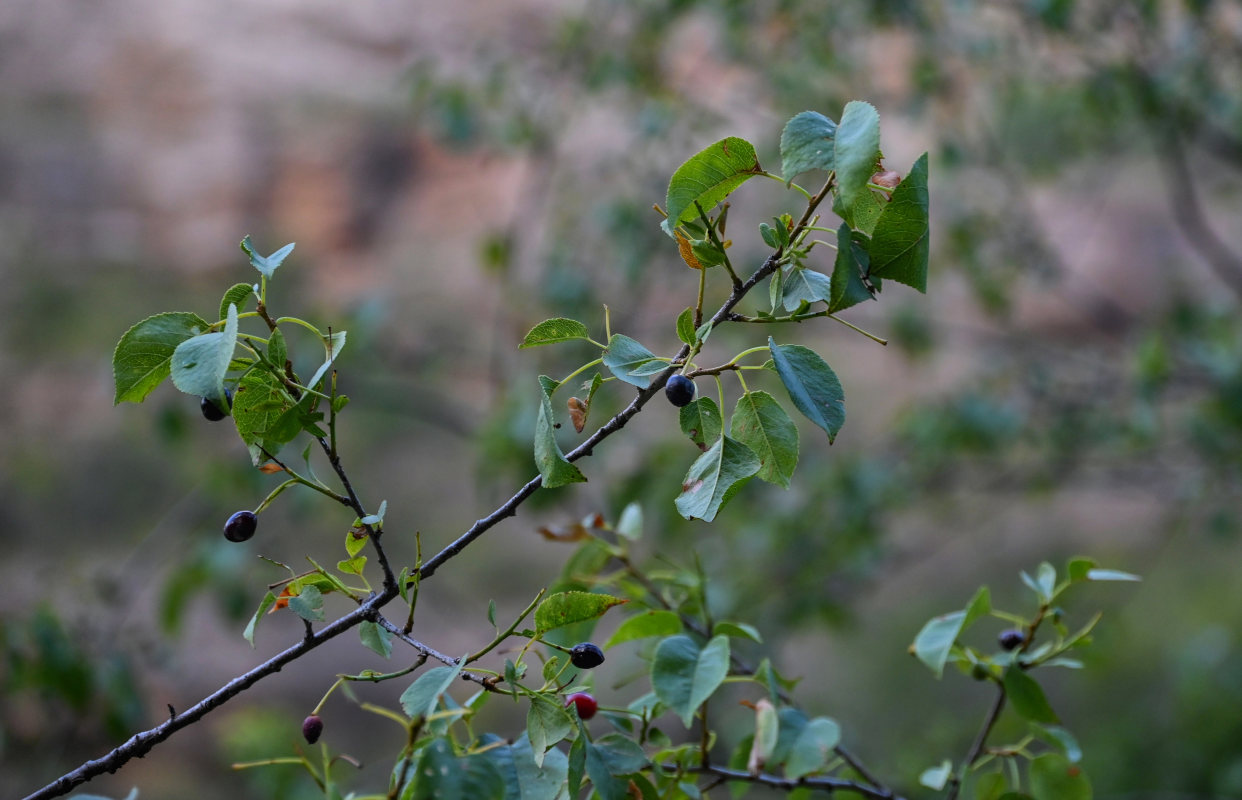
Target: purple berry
point(211, 411)
point(240, 526)
point(312, 727)
point(586, 656)
point(679, 390)
point(1011, 638)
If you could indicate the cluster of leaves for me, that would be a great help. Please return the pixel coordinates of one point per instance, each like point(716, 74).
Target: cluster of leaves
point(689, 654)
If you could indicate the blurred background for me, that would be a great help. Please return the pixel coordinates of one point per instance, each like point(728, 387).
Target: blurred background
point(453, 173)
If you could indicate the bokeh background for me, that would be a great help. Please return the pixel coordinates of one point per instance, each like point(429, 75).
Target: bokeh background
point(454, 173)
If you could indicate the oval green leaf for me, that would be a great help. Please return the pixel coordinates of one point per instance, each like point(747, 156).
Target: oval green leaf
point(624, 355)
point(566, 608)
point(551, 331)
point(199, 364)
point(1027, 696)
point(813, 747)
point(649, 623)
point(554, 469)
point(685, 675)
point(701, 421)
point(807, 143)
point(900, 244)
point(856, 152)
point(761, 424)
point(707, 178)
point(715, 477)
point(1055, 778)
point(812, 385)
point(143, 357)
point(935, 640)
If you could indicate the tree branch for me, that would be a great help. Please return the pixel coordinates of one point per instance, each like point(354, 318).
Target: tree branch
point(976, 747)
point(828, 784)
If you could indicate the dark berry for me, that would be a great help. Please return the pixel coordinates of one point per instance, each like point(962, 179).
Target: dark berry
point(979, 672)
point(212, 411)
point(679, 390)
point(1011, 638)
point(312, 727)
point(240, 526)
point(586, 656)
point(585, 704)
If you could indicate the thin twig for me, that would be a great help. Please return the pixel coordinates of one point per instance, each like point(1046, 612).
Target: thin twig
point(826, 783)
point(976, 747)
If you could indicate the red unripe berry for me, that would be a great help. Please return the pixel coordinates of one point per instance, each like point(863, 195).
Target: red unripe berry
point(585, 704)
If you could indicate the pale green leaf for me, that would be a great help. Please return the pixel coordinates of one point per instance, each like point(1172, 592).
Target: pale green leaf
point(715, 477)
point(685, 675)
point(807, 143)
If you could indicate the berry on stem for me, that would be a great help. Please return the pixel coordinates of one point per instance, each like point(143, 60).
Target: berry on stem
point(1011, 638)
point(312, 727)
point(240, 526)
point(585, 704)
point(586, 656)
point(211, 411)
point(679, 390)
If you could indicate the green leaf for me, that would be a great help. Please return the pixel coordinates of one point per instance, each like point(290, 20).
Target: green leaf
point(259, 403)
point(685, 326)
point(266, 264)
point(807, 143)
point(267, 602)
point(1061, 738)
point(376, 638)
point(707, 178)
point(577, 763)
point(237, 295)
point(332, 345)
point(761, 424)
point(938, 776)
point(423, 695)
point(685, 675)
point(143, 357)
point(547, 722)
point(1046, 577)
point(979, 606)
point(609, 758)
point(566, 608)
point(812, 385)
point(900, 244)
point(199, 364)
point(549, 458)
point(768, 233)
point(701, 421)
point(739, 630)
point(935, 640)
point(534, 781)
point(623, 355)
point(442, 774)
point(813, 747)
point(1027, 696)
point(277, 350)
point(1053, 777)
point(1078, 568)
point(805, 286)
point(846, 287)
point(630, 526)
point(551, 331)
point(989, 786)
point(1110, 575)
point(648, 623)
point(715, 477)
point(308, 604)
point(352, 566)
point(856, 152)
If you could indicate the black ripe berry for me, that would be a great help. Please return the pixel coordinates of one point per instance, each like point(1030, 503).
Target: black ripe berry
point(212, 411)
point(585, 704)
point(312, 726)
point(586, 656)
point(679, 390)
point(240, 526)
point(1011, 638)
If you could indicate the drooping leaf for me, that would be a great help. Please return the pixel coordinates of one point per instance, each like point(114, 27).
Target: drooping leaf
point(332, 346)
point(812, 748)
point(199, 364)
point(630, 525)
point(624, 355)
point(551, 331)
point(308, 604)
point(554, 469)
point(547, 722)
point(1060, 737)
point(533, 781)
point(847, 287)
point(237, 295)
point(648, 623)
point(143, 357)
point(1027, 696)
point(900, 244)
point(812, 385)
point(376, 638)
point(856, 152)
point(701, 421)
point(1053, 777)
point(266, 264)
point(685, 675)
point(608, 760)
point(423, 695)
point(807, 143)
point(268, 601)
point(715, 477)
point(804, 285)
point(761, 424)
point(739, 630)
point(567, 608)
point(935, 640)
point(707, 178)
